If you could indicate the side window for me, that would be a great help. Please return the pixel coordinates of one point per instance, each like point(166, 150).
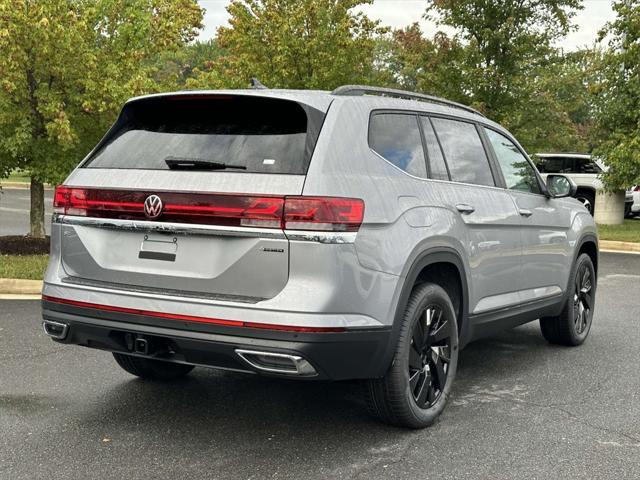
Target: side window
point(517, 171)
point(437, 167)
point(396, 137)
point(569, 165)
point(586, 165)
point(552, 165)
point(463, 152)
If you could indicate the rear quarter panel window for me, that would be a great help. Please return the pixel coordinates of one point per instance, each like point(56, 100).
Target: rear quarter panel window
point(463, 151)
point(396, 137)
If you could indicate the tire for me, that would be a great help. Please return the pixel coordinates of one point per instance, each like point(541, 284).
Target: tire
point(627, 211)
point(572, 326)
point(150, 369)
point(413, 392)
point(588, 199)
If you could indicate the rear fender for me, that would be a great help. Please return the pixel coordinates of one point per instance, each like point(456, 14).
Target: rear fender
point(424, 259)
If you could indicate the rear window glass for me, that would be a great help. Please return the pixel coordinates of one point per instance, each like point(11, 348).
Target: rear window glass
point(263, 135)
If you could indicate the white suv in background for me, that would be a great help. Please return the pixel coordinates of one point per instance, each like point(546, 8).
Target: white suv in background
point(584, 171)
point(635, 197)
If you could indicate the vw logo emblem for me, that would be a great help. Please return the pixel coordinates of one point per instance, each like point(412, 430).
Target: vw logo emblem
point(153, 206)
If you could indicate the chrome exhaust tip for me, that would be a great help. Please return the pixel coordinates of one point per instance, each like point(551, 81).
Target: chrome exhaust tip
point(55, 330)
point(277, 362)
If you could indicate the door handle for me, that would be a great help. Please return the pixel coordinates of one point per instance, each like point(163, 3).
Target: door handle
point(465, 209)
point(525, 212)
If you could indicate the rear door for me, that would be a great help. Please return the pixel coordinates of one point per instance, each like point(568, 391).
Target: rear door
point(546, 256)
point(185, 195)
point(493, 242)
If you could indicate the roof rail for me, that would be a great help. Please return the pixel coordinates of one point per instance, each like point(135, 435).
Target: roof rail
point(358, 90)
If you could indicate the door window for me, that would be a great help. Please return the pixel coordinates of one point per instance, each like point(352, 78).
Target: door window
point(586, 165)
point(396, 137)
point(437, 166)
point(552, 165)
point(463, 151)
point(516, 169)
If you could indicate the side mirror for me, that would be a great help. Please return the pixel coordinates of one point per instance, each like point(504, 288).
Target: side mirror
point(560, 186)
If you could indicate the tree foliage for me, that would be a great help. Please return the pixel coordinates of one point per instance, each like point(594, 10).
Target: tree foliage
point(173, 69)
point(506, 39)
point(411, 61)
point(502, 62)
point(66, 67)
point(618, 98)
point(553, 111)
point(315, 44)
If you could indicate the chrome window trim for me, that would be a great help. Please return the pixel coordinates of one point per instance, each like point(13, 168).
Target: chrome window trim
point(450, 182)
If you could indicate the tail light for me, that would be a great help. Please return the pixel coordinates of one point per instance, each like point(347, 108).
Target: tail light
point(323, 213)
point(293, 212)
point(70, 201)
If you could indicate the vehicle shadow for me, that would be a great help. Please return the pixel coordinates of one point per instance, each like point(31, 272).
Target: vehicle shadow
point(249, 425)
point(210, 403)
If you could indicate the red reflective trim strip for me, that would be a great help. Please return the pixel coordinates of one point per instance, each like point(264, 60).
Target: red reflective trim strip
point(288, 328)
point(136, 311)
point(191, 318)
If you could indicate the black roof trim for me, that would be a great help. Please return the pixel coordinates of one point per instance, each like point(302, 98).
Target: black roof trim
point(359, 90)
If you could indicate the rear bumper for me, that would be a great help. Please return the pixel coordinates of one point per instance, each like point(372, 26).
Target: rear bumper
point(352, 354)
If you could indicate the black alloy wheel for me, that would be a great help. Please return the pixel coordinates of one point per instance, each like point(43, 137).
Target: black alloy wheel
point(429, 356)
point(415, 389)
point(572, 325)
point(583, 299)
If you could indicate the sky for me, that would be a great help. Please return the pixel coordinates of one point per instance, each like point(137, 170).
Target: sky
point(399, 13)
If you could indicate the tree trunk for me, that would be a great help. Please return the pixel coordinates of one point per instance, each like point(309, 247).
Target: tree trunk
point(37, 209)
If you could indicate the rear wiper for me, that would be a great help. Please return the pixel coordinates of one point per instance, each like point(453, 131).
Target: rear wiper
point(176, 163)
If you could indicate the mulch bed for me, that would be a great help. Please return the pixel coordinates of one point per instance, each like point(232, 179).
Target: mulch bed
point(24, 245)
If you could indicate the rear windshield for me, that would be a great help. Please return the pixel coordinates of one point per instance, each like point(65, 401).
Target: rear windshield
point(264, 135)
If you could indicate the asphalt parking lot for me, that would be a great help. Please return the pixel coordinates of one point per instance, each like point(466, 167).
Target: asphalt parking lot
point(520, 409)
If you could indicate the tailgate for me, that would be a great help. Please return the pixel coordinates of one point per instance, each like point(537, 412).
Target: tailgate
point(131, 220)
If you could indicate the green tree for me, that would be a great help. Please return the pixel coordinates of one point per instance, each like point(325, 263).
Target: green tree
point(506, 40)
point(618, 98)
point(66, 66)
point(293, 44)
point(554, 111)
point(417, 63)
point(174, 68)
point(502, 62)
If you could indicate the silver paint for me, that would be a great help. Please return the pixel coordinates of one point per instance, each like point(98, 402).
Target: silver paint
point(324, 278)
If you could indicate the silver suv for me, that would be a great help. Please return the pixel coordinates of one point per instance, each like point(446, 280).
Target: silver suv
point(356, 234)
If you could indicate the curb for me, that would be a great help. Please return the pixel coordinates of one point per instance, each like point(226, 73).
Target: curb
point(15, 185)
point(16, 286)
point(21, 186)
point(623, 247)
point(11, 296)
